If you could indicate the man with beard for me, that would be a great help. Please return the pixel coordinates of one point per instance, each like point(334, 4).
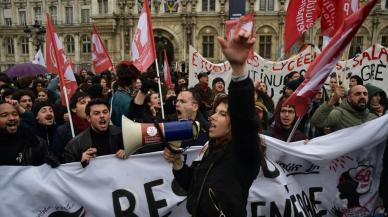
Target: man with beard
point(19, 146)
point(351, 112)
point(44, 114)
point(99, 139)
point(25, 99)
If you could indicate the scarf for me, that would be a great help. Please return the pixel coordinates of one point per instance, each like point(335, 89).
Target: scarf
point(79, 123)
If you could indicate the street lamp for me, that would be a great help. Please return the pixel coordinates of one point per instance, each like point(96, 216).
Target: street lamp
point(38, 31)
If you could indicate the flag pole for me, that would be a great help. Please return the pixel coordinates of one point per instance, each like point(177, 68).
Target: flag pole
point(160, 87)
point(294, 129)
point(102, 45)
point(68, 111)
point(60, 72)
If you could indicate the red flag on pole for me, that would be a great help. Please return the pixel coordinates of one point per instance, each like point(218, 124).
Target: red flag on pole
point(166, 71)
point(333, 14)
point(143, 52)
point(300, 16)
point(100, 58)
point(323, 65)
point(57, 62)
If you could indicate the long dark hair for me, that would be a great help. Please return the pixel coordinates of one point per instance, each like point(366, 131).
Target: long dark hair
point(220, 143)
point(223, 98)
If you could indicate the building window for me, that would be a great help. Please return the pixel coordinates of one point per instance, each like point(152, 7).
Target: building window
point(69, 44)
point(266, 5)
point(85, 16)
point(265, 46)
point(356, 46)
point(53, 14)
point(386, 4)
point(8, 21)
point(38, 14)
point(24, 43)
point(8, 44)
point(22, 18)
point(103, 6)
point(208, 5)
point(86, 44)
point(69, 15)
point(384, 40)
point(208, 46)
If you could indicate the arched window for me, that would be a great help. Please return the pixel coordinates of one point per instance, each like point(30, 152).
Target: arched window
point(69, 44)
point(8, 46)
point(86, 44)
point(207, 35)
point(24, 45)
point(265, 36)
point(357, 44)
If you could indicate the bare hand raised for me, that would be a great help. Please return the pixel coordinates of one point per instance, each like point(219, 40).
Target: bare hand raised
point(236, 50)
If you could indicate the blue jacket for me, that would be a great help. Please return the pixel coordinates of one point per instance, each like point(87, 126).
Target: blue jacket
point(120, 103)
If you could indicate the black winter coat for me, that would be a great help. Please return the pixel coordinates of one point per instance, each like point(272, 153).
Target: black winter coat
point(83, 141)
point(222, 178)
point(34, 151)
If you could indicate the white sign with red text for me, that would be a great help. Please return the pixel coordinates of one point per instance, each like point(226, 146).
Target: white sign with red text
point(371, 65)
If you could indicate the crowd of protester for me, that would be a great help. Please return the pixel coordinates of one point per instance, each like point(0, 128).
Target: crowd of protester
point(35, 128)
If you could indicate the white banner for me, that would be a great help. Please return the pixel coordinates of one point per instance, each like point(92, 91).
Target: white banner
point(333, 175)
point(371, 66)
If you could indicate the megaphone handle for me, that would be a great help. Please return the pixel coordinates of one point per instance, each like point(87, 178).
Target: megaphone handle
point(174, 150)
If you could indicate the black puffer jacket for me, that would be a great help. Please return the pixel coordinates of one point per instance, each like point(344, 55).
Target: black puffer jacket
point(223, 177)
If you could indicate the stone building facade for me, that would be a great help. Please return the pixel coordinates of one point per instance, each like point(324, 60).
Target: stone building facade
point(176, 24)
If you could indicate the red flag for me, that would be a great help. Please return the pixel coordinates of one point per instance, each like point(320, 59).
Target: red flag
point(166, 71)
point(58, 63)
point(244, 22)
point(100, 58)
point(333, 14)
point(233, 26)
point(300, 16)
point(322, 66)
point(143, 52)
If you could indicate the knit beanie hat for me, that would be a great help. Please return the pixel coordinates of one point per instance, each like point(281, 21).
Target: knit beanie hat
point(37, 106)
point(216, 80)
